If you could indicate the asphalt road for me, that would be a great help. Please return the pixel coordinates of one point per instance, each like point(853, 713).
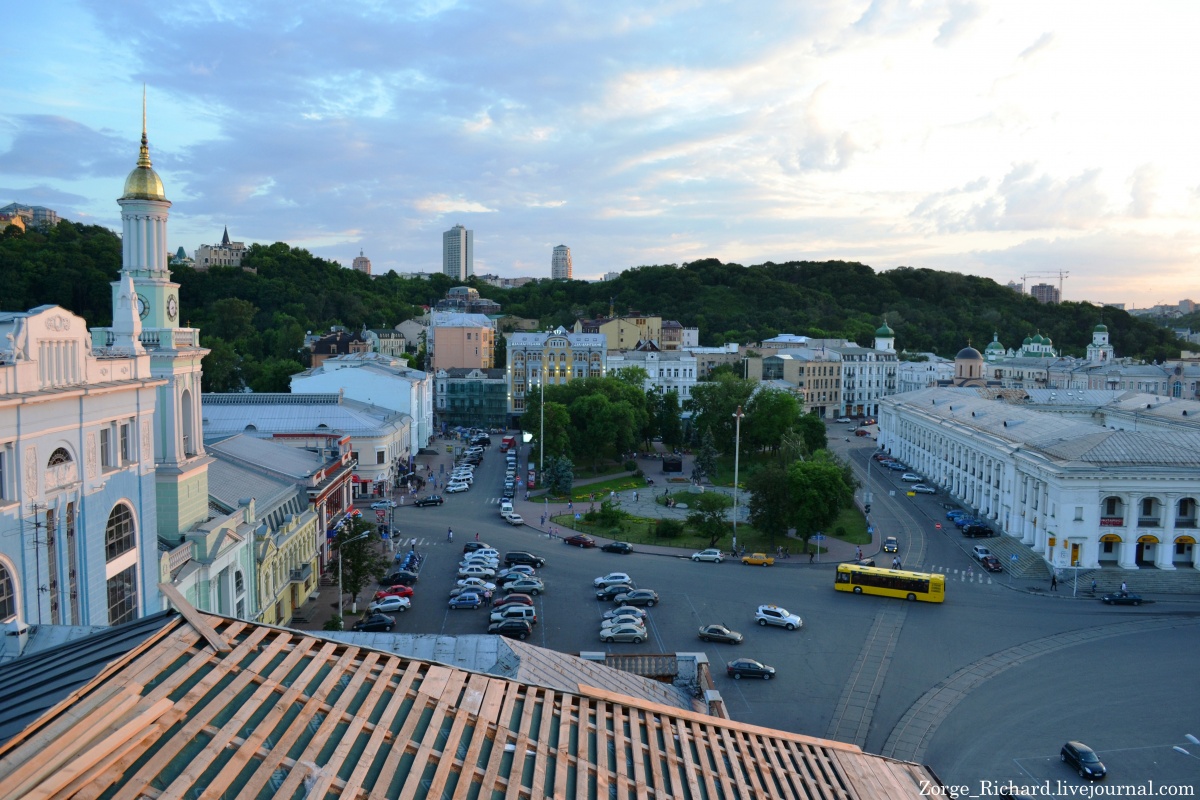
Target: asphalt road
point(1039, 669)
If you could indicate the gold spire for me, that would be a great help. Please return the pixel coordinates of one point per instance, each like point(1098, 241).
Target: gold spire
point(143, 182)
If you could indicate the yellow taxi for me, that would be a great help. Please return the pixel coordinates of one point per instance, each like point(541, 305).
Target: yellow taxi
point(756, 559)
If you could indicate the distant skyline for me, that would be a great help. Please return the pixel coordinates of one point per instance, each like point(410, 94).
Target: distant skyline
point(1003, 138)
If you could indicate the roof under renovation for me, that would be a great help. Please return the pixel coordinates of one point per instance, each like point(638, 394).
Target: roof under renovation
point(212, 706)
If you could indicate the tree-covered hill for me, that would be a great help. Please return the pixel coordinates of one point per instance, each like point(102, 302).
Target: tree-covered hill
point(261, 316)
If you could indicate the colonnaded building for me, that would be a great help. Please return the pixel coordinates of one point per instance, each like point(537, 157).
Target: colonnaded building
point(1085, 478)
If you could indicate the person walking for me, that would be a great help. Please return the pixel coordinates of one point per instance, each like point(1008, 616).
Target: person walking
point(1054, 582)
point(1124, 588)
point(811, 556)
point(1093, 585)
point(449, 534)
point(477, 536)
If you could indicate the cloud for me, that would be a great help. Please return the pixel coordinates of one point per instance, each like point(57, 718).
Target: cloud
point(1143, 190)
point(1044, 42)
point(57, 147)
point(441, 204)
point(962, 17)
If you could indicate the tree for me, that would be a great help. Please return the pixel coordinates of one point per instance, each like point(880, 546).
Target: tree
point(812, 430)
point(595, 426)
point(670, 424)
point(770, 413)
point(713, 404)
point(771, 506)
point(707, 515)
point(819, 492)
point(360, 561)
point(558, 475)
point(706, 457)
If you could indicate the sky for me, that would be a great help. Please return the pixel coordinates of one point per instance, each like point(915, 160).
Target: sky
point(1015, 140)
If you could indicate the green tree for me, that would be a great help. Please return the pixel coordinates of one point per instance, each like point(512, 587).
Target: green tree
point(222, 370)
point(558, 475)
point(770, 413)
point(359, 559)
point(713, 404)
point(706, 514)
point(771, 505)
point(812, 429)
point(706, 457)
point(819, 492)
point(670, 423)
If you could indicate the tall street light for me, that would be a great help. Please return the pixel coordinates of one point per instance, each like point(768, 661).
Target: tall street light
point(542, 409)
point(737, 446)
point(340, 546)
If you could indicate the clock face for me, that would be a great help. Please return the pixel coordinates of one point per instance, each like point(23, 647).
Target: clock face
point(143, 307)
point(172, 306)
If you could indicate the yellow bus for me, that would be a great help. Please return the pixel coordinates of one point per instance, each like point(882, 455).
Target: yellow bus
point(930, 587)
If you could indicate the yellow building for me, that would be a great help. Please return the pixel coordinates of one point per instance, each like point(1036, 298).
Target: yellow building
point(625, 333)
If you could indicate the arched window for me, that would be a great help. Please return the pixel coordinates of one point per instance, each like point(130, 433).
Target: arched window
point(59, 456)
point(118, 535)
point(8, 595)
point(239, 582)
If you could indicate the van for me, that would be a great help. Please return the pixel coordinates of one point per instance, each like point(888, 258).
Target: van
point(527, 613)
point(506, 508)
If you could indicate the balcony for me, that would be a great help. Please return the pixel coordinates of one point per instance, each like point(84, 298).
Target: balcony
point(1149, 522)
point(301, 575)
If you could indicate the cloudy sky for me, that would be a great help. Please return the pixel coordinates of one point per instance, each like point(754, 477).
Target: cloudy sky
point(1001, 138)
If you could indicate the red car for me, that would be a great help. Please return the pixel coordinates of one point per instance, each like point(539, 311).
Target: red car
point(514, 599)
point(579, 540)
point(394, 591)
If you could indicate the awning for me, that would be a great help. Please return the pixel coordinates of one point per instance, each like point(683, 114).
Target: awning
point(1147, 539)
point(1185, 540)
point(1110, 537)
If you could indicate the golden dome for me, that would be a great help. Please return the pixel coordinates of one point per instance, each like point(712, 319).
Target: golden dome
point(143, 183)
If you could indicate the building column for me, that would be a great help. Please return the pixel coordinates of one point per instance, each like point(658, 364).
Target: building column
point(1128, 557)
point(1164, 551)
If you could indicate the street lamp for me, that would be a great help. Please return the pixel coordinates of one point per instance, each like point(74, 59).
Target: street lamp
point(737, 446)
point(346, 525)
point(542, 410)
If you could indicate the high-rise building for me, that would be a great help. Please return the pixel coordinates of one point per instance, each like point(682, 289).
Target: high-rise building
point(1045, 293)
point(458, 253)
point(362, 264)
point(560, 264)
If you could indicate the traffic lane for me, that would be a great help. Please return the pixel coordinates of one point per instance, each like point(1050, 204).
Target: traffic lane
point(1101, 693)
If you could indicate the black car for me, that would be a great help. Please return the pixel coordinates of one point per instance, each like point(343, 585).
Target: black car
point(428, 500)
point(975, 531)
point(509, 493)
point(609, 592)
point(471, 547)
point(1122, 599)
point(375, 623)
point(1083, 759)
point(512, 628)
point(624, 548)
point(521, 557)
point(401, 577)
point(749, 668)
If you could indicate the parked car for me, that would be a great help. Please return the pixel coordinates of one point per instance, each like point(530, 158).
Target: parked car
point(611, 578)
point(749, 668)
point(457, 486)
point(1122, 599)
point(770, 614)
point(911, 477)
point(627, 616)
point(390, 604)
point(471, 547)
point(509, 599)
point(525, 586)
point(476, 571)
point(402, 577)
point(515, 519)
point(757, 559)
point(612, 590)
point(711, 554)
point(512, 628)
point(476, 583)
point(383, 504)
point(921, 488)
point(399, 590)
point(976, 530)
point(862, 432)
point(462, 476)
point(720, 633)
point(516, 569)
point(466, 600)
point(980, 552)
point(624, 548)
point(1083, 760)
point(843, 420)
point(523, 557)
point(428, 500)
point(992, 564)
point(580, 540)
point(624, 632)
point(891, 545)
point(375, 623)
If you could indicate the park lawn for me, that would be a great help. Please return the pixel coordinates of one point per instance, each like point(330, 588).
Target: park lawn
point(603, 468)
point(601, 489)
point(747, 463)
point(853, 525)
point(640, 530)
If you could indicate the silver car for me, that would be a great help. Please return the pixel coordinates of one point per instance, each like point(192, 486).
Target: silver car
point(625, 632)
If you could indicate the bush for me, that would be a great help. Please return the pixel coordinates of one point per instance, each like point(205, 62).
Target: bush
point(631, 465)
point(334, 623)
point(668, 529)
point(639, 474)
point(840, 532)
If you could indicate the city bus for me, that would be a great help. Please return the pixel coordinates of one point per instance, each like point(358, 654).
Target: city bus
point(930, 587)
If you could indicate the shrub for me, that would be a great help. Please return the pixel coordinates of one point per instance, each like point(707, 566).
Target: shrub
point(668, 529)
point(631, 465)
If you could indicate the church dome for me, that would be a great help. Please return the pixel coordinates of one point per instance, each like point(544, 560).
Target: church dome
point(884, 330)
point(968, 353)
point(1047, 341)
point(1101, 329)
point(1037, 339)
point(143, 183)
point(1027, 341)
point(994, 346)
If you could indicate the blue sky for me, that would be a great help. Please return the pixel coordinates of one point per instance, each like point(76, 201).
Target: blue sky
point(994, 138)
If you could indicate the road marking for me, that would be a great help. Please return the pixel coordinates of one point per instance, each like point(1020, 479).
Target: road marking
point(852, 720)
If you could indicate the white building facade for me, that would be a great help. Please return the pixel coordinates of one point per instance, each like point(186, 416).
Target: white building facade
point(458, 253)
point(1075, 492)
point(552, 357)
point(560, 263)
point(665, 372)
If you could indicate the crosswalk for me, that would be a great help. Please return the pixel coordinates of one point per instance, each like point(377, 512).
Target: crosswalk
point(965, 574)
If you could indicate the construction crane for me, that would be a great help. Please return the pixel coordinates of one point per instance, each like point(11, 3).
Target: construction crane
point(1061, 275)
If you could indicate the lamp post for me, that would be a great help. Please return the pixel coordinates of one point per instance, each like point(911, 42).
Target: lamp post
point(737, 446)
point(542, 430)
point(346, 525)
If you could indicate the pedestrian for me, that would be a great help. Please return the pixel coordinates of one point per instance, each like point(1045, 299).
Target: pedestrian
point(1124, 588)
point(449, 534)
point(570, 506)
point(1054, 582)
point(487, 595)
point(635, 497)
point(811, 556)
point(1093, 585)
point(477, 536)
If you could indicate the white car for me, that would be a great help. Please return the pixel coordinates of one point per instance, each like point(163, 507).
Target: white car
point(911, 477)
point(843, 420)
point(517, 569)
point(489, 552)
point(476, 571)
point(921, 488)
point(624, 633)
point(378, 504)
point(711, 554)
point(457, 486)
point(515, 519)
point(625, 611)
point(389, 605)
point(611, 579)
point(490, 563)
point(980, 552)
point(623, 619)
point(477, 583)
point(465, 477)
point(776, 615)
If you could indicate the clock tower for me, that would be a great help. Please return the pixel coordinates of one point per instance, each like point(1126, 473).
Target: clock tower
point(146, 308)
